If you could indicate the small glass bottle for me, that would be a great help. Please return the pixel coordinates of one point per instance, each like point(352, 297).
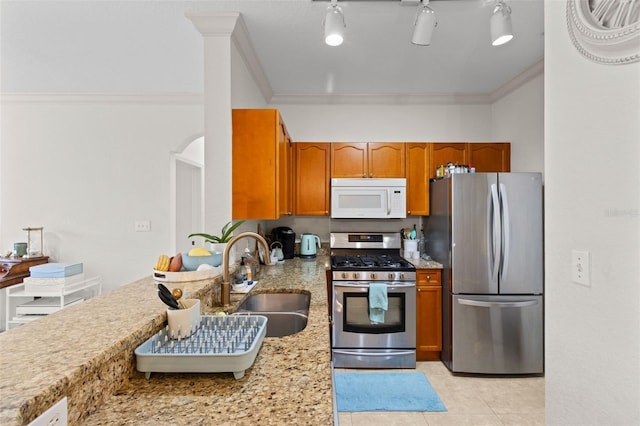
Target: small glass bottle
point(422, 245)
point(251, 264)
point(243, 270)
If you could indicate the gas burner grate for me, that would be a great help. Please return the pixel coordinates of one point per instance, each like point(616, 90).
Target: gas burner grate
point(370, 261)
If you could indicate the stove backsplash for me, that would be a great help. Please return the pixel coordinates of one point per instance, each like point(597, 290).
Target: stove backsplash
point(324, 226)
point(374, 225)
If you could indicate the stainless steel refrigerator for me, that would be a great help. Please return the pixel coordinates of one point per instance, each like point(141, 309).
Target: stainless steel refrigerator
point(487, 231)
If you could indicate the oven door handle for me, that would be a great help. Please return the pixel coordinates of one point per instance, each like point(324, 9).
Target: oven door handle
point(337, 351)
point(391, 287)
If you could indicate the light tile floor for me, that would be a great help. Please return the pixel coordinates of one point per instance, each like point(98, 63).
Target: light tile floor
point(470, 400)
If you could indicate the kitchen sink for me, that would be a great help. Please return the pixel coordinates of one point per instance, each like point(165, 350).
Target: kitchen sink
point(287, 313)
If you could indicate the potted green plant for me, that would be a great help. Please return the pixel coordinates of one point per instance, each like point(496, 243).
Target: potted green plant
point(219, 242)
point(225, 235)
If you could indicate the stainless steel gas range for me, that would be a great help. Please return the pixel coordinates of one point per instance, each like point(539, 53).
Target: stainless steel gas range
point(360, 340)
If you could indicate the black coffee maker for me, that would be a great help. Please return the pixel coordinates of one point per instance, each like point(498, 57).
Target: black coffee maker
point(287, 238)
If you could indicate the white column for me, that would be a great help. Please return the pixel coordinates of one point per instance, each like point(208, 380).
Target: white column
point(216, 30)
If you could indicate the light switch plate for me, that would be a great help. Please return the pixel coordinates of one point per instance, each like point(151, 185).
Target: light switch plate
point(581, 267)
point(142, 225)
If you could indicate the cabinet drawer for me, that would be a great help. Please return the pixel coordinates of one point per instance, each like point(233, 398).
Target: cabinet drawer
point(428, 277)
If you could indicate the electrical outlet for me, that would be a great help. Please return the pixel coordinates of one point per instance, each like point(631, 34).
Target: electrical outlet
point(142, 226)
point(580, 267)
point(56, 415)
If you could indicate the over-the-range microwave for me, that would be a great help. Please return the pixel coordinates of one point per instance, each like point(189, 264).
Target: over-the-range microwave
point(368, 198)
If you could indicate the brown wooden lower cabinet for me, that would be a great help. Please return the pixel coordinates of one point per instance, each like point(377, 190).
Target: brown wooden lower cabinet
point(428, 314)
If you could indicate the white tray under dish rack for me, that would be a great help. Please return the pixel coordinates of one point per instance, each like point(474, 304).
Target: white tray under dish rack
point(219, 344)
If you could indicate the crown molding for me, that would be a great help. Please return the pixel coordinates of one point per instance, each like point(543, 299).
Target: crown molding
point(383, 98)
point(414, 99)
point(103, 98)
point(218, 24)
point(243, 44)
point(231, 24)
point(293, 99)
point(518, 81)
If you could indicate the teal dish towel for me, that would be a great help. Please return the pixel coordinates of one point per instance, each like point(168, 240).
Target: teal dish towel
point(378, 302)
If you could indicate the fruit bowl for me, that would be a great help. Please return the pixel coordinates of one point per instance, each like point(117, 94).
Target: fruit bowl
point(191, 263)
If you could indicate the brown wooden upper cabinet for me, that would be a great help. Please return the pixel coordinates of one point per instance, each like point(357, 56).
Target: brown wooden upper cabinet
point(418, 166)
point(485, 157)
point(490, 157)
point(312, 189)
point(367, 160)
point(262, 175)
point(443, 153)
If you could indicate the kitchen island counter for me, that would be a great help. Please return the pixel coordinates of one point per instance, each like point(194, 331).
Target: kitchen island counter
point(85, 352)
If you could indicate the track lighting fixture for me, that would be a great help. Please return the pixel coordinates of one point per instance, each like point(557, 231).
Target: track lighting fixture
point(500, 23)
point(334, 25)
point(424, 24)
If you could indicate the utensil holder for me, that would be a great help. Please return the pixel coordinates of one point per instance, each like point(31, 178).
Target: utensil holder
point(182, 322)
point(410, 247)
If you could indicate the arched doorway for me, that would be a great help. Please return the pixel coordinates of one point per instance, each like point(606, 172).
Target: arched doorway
point(187, 182)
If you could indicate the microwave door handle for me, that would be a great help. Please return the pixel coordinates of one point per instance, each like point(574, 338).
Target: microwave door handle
point(388, 201)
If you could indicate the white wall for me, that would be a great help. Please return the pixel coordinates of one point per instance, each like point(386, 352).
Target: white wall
point(86, 168)
point(518, 118)
point(387, 123)
point(592, 152)
point(245, 93)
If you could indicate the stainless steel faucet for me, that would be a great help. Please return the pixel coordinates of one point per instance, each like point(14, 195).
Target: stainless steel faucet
point(226, 286)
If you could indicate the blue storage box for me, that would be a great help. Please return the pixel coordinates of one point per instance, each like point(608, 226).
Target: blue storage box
point(55, 270)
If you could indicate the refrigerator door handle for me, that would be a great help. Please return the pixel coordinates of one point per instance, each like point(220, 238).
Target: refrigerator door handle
point(505, 231)
point(483, 304)
point(495, 231)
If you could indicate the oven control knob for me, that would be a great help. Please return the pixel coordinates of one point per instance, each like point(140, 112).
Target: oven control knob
point(391, 275)
point(345, 275)
point(402, 275)
point(356, 275)
point(372, 275)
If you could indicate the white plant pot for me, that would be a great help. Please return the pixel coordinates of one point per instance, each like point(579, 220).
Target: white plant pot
point(221, 248)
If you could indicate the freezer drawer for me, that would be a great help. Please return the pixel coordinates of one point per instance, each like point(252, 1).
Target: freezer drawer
point(497, 334)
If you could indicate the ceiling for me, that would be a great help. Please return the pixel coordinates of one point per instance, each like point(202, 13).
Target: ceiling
point(149, 46)
point(377, 56)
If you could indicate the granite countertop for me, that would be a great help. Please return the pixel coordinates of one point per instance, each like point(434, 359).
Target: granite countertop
point(85, 352)
point(425, 264)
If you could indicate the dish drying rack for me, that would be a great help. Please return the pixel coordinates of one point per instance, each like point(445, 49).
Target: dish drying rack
point(218, 344)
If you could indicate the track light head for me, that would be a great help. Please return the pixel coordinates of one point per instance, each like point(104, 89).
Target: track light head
point(425, 22)
point(334, 25)
point(500, 24)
